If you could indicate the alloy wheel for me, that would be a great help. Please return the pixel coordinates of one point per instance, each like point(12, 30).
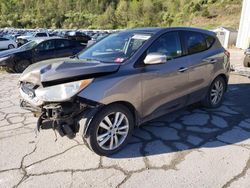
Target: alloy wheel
point(217, 92)
point(11, 46)
point(112, 131)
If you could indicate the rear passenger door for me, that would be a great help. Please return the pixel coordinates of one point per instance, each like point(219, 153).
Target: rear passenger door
point(64, 48)
point(201, 62)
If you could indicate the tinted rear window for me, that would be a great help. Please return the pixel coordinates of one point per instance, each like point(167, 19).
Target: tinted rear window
point(41, 35)
point(196, 42)
point(3, 39)
point(210, 40)
point(62, 44)
point(168, 44)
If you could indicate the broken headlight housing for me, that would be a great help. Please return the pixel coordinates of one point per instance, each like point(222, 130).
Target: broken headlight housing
point(61, 92)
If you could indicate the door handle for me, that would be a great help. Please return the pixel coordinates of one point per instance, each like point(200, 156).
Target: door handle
point(212, 61)
point(183, 69)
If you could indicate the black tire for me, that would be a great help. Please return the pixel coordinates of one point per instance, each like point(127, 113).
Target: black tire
point(9, 70)
point(208, 100)
point(247, 61)
point(92, 133)
point(20, 66)
point(11, 46)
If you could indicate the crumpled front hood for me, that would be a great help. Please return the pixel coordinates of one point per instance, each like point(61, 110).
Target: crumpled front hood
point(62, 70)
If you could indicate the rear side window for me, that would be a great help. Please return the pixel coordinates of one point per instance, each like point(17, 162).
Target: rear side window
point(168, 44)
point(46, 45)
point(210, 40)
point(196, 42)
point(62, 44)
point(3, 39)
point(75, 43)
point(41, 35)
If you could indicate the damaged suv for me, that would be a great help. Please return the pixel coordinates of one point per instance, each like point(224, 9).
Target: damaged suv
point(124, 80)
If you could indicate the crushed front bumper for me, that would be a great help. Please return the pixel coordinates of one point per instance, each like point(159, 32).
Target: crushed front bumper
point(63, 117)
point(27, 106)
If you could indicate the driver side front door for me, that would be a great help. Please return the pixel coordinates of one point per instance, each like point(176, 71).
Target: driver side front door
point(44, 50)
point(164, 85)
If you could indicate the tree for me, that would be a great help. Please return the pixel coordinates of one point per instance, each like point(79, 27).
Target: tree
point(110, 14)
point(121, 13)
point(107, 20)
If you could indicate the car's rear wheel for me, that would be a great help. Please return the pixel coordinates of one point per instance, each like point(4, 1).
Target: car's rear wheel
point(215, 94)
point(20, 66)
point(110, 129)
point(11, 46)
point(247, 62)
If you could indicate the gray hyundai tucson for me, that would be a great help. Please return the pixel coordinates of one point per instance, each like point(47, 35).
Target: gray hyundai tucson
point(125, 80)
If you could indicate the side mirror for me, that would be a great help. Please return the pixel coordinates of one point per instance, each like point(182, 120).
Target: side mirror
point(155, 58)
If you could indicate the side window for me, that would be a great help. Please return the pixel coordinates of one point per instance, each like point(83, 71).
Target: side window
point(62, 44)
point(195, 42)
point(46, 45)
point(210, 40)
point(3, 39)
point(168, 44)
point(74, 43)
point(41, 35)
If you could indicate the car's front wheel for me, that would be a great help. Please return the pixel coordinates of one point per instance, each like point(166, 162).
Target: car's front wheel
point(247, 62)
point(11, 46)
point(20, 66)
point(215, 93)
point(110, 129)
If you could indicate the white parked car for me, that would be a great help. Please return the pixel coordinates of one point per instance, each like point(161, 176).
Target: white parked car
point(26, 38)
point(7, 43)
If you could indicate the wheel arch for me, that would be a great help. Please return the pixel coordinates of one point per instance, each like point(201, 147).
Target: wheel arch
point(94, 111)
point(131, 108)
point(225, 78)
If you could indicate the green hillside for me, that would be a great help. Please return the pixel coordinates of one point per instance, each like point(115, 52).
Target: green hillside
point(112, 14)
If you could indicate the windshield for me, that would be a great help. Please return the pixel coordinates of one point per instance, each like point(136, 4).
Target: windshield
point(29, 45)
point(115, 48)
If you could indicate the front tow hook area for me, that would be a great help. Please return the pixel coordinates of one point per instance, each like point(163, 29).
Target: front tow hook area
point(60, 118)
point(62, 127)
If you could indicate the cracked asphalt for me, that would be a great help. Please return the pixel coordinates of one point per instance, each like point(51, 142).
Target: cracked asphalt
point(193, 147)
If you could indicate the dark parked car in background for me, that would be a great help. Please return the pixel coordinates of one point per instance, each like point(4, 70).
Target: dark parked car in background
point(247, 58)
point(96, 38)
point(17, 60)
point(125, 80)
point(78, 36)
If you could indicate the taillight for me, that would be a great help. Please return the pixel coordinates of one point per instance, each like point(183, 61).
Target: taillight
point(227, 53)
